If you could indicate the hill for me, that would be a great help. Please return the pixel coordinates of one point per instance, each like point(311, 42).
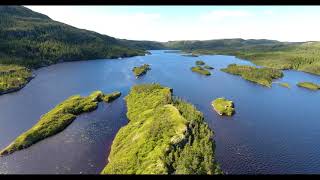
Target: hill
point(34, 40)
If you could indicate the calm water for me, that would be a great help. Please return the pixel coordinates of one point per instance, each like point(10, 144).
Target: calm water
point(274, 130)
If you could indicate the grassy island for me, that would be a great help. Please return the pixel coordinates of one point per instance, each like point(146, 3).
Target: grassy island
point(165, 135)
point(200, 70)
point(223, 106)
point(13, 78)
point(309, 85)
point(284, 85)
point(262, 76)
point(208, 67)
point(141, 70)
point(200, 63)
point(58, 119)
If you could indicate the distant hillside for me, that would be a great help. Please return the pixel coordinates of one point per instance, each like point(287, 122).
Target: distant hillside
point(301, 56)
point(226, 44)
point(146, 45)
point(32, 39)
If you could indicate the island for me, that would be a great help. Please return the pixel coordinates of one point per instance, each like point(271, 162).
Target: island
point(208, 67)
point(200, 70)
point(58, 119)
point(200, 63)
point(141, 70)
point(164, 135)
point(309, 85)
point(223, 106)
point(262, 76)
point(284, 84)
point(13, 78)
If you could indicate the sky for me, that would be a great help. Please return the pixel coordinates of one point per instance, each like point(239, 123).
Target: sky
point(168, 23)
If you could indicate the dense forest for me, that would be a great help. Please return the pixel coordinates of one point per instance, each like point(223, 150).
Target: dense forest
point(34, 40)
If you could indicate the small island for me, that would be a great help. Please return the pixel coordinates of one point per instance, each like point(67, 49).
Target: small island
point(262, 76)
point(13, 78)
point(309, 85)
point(164, 135)
point(208, 67)
point(141, 70)
point(200, 63)
point(223, 106)
point(58, 119)
point(286, 85)
point(200, 70)
point(190, 55)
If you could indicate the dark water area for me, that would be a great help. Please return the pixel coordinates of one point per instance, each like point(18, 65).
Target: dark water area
point(274, 130)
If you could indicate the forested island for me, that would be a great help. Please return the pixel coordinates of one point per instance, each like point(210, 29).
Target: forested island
point(13, 78)
point(165, 135)
point(262, 76)
point(58, 119)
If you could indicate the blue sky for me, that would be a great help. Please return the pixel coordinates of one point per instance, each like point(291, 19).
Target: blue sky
point(164, 23)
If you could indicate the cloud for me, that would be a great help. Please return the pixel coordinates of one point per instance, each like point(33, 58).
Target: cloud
point(224, 14)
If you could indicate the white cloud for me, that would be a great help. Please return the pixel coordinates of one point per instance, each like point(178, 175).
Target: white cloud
point(224, 14)
point(218, 24)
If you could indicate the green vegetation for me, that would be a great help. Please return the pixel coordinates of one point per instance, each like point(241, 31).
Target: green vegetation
point(13, 78)
point(223, 106)
point(141, 70)
point(200, 63)
point(58, 119)
point(200, 70)
point(284, 85)
point(262, 76)
point(208, 67)
point(34, 40)
point(301, 56)
point(309, 85)
point(165, 135)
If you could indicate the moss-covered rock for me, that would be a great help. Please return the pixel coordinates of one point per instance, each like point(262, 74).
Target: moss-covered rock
point(223, 106)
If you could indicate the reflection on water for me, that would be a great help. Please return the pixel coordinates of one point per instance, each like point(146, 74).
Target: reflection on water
point(274, 130)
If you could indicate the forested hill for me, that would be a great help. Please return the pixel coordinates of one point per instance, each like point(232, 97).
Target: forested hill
point(301, 56)
point(32, 39)
point(227, 44)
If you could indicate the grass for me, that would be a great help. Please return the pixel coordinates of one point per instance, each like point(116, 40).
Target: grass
point(200, 63)
point(223, 106)
point(309, 85)
point(13, 78)
point(200, 70)
point(262, 76)
point(164, 136)
point(208, 67)
point(58, 119)
point(141, 70)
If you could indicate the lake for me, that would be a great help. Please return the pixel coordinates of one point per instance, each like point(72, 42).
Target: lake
point(274, 130)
